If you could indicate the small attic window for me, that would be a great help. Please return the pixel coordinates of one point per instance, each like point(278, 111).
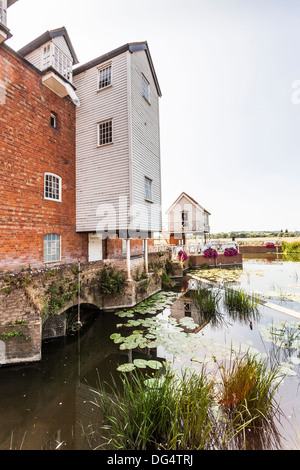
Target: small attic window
point(53, 120)
point(146, 89)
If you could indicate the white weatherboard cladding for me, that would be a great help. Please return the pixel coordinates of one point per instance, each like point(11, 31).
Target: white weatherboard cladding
point(102, 173)
point(61, 43)
point(36, 57)
point(145, 141)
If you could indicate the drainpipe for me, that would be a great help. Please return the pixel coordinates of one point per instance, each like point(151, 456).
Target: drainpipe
point(128, 259)
point(146, 254)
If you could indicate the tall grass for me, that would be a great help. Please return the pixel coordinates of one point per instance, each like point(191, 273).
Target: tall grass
point(246, 394)
point(239, 303)
point(207, 301)
point(190, 412)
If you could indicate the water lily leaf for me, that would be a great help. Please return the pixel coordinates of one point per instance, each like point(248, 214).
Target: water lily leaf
point(115, 335)
point(125, 314)
point(126, 367)
point(155, 382)
point(154, 364)
point(140, 363)
point(153, 344)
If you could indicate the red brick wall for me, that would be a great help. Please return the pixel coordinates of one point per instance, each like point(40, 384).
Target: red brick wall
point(258, 249)
point(29, 147)
point(114, 247)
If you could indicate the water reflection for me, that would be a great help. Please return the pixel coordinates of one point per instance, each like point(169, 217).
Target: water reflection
point(49, 404)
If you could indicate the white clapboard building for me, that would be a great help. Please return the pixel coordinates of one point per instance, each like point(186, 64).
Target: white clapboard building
point(118, 146)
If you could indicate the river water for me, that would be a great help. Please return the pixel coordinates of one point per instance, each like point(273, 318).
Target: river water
point(48, 405)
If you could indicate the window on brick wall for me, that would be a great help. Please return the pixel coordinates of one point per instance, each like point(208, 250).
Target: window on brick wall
point(52, 247)
point(52, 187)
point(53, 120)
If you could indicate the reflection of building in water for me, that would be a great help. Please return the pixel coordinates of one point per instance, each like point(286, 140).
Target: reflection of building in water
point(185, 307)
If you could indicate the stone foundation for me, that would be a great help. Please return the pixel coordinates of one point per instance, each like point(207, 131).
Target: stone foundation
point(24, 297)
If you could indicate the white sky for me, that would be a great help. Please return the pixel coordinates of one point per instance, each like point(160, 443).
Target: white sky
point(230, 132)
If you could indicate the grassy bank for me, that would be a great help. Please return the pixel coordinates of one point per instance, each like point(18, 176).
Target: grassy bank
point(193, 412)
point(291, 247)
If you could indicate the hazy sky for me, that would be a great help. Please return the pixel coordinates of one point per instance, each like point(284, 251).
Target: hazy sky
point(230, 117)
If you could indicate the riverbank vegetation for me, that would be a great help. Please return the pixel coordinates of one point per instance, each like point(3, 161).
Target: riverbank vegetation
point(263, 234)
point(292, 247)
point(189, 411)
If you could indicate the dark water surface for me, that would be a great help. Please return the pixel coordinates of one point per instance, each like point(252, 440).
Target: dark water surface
point(47, 405)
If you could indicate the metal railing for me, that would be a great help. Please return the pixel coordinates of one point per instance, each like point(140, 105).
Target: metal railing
point(187, 226)
point(198, 249)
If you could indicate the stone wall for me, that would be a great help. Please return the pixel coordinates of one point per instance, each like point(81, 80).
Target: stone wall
point(28, 297)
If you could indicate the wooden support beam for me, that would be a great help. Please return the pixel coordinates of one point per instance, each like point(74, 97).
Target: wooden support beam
point(128, 259)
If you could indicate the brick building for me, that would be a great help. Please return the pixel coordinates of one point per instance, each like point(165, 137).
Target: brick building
point(37, 169)
point(45, 194)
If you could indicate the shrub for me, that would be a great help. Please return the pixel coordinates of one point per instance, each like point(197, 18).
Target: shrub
point(112, 281)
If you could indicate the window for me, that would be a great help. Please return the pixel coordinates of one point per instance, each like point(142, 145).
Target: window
point(52, 187)
point(62, 63)
point(148, 189)
point(124, 246)
point(145, 89)
point(184, 218)
point(47, 56)
point(52, 247)
point(104, 77)
point(52, 56)
point(105, 133)
point(53, 120)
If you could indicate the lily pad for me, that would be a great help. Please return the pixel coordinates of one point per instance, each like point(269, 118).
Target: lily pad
point(154, 364)
point(155, 382)
point(140, 363)
point(126, 367)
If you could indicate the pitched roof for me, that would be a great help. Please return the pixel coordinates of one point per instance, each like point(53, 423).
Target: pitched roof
point(193, 201)
point(131, 47)
point(11, 2)
point(47, 36)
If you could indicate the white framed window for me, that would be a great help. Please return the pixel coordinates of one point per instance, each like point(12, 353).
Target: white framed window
point(52, 247)
point(148, 189)
point(53, 56)
point(62, 63)
point(145, 88)
point(185, 218)
point(124, 245)
point(105, 132)
point(104, 77)
point(52, 187)
point(47, 56)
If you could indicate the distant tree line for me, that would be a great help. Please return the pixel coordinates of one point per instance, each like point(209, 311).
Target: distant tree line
point(265, 234)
